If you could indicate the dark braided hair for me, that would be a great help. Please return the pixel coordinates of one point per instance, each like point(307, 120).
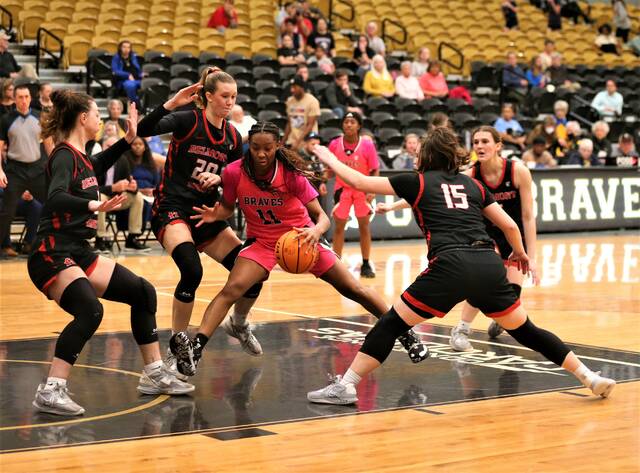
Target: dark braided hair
point(289, 158)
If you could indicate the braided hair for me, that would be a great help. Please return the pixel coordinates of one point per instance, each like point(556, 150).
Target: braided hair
point(289, 158)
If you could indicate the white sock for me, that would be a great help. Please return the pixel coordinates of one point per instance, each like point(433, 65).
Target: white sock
point(153, 366)
point(239, 319)
point(464, 325)
point(350, 377)
point(54, 380)
point(585, 375)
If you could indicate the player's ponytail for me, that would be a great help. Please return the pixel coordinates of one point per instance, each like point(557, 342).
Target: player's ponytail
point(61, 120)
point(209, 79)
point(289, 158)
point(441, 151)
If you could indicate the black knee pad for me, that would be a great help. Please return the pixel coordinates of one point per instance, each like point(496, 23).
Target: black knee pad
point(229, 260)
point(517, 288)
point(380, 340)
point(78, 299)
point(542, 341)
point(129, 288)
point(187, 259)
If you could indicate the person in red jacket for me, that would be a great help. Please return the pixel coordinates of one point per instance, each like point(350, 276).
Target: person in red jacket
point(225, 16)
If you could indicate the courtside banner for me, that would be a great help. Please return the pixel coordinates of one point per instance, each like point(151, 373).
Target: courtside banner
point(565, 200)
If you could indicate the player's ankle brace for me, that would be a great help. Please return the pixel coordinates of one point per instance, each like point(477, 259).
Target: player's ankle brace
point(542, 341)
point(187, 259)
point(381, 338)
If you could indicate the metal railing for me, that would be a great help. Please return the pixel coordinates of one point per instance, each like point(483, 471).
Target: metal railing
point(6, 13)
point(386, 36)
point(98, 71)
point(333, 13)
point(443, 46)
point(40, 48)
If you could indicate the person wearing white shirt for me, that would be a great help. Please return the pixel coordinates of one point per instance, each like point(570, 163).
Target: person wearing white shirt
point(407, 86)
point(242, 122)
point(608, 102)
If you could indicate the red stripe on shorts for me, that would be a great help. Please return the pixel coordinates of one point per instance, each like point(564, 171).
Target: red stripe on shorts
point(507, 311)
point(422, 306)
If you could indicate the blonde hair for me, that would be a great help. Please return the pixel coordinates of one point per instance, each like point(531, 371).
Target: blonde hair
point(209, 79)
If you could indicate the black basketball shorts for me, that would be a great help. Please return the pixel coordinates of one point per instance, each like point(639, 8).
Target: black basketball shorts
point(202, 235)
point(475, 275)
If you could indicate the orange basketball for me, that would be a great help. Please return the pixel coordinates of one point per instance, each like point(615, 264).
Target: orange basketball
point(292, 254)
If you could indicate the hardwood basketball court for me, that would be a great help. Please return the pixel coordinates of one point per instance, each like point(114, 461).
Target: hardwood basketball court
point(499, 408)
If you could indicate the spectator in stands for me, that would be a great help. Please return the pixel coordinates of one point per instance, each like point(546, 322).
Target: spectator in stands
point(554, 18)
point(608, 102)
point(625, 154)
point(510, 13)
point(340, 96)
point(44, 103)
point(621, 20)
point(302, 25)
point(242, 122)
point(537, 156)
point(378, 82)
point(126, 71)
point(322, 61)
point(287, 10)
point(313, 163)
point(407, 86)
point(223, 17)
point(511, 132)
point(606, 40)
point(313, 14)
point(156, 146)
point(433, 82)
point(303, 110)
point(24, 169)
point(546, 129)
point(560, 112)
point(421, 63)
point(408, 156)
point(546, 56)
point(571, 9)
point(114, 111)
point(375, 42)
point(535, 74)
point(118, 180)
point(7, 104)
point(584, 156)
point(8, 65)
point(558, 74)
point(287, 54)
point(30, 209)
point(291, 30)
point(144, 172)
point(513, 78)
point(321, 37)
point(601, 145)
point(363, 54)
point(566, 141)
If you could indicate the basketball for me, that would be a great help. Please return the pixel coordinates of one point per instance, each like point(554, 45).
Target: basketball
point(292, 254)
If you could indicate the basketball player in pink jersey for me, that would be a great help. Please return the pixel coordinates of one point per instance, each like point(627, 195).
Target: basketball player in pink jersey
point(271, 188)
point(360, 154)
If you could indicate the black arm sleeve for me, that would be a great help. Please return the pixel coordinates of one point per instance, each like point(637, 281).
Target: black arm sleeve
point(406, 186)
point(162, 121)
point(236, 153)
point(101, 162)
point(59, 199)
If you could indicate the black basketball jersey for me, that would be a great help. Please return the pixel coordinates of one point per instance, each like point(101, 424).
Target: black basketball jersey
point(203, 149)
point(70, 217)
point(447, 207)
point(507, 195)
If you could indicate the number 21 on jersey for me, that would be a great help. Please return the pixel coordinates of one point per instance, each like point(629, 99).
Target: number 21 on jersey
point(454, 196)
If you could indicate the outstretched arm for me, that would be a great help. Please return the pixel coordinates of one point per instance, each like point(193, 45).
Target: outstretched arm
point(383, 208)
point(369, 184)
point(505, 223)
point(159, 121)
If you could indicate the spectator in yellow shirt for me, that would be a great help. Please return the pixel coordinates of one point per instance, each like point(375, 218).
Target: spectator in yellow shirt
point(378, 82)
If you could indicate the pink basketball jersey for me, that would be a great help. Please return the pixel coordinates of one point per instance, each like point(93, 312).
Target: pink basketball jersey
point(269, 213)
point(363, 158)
